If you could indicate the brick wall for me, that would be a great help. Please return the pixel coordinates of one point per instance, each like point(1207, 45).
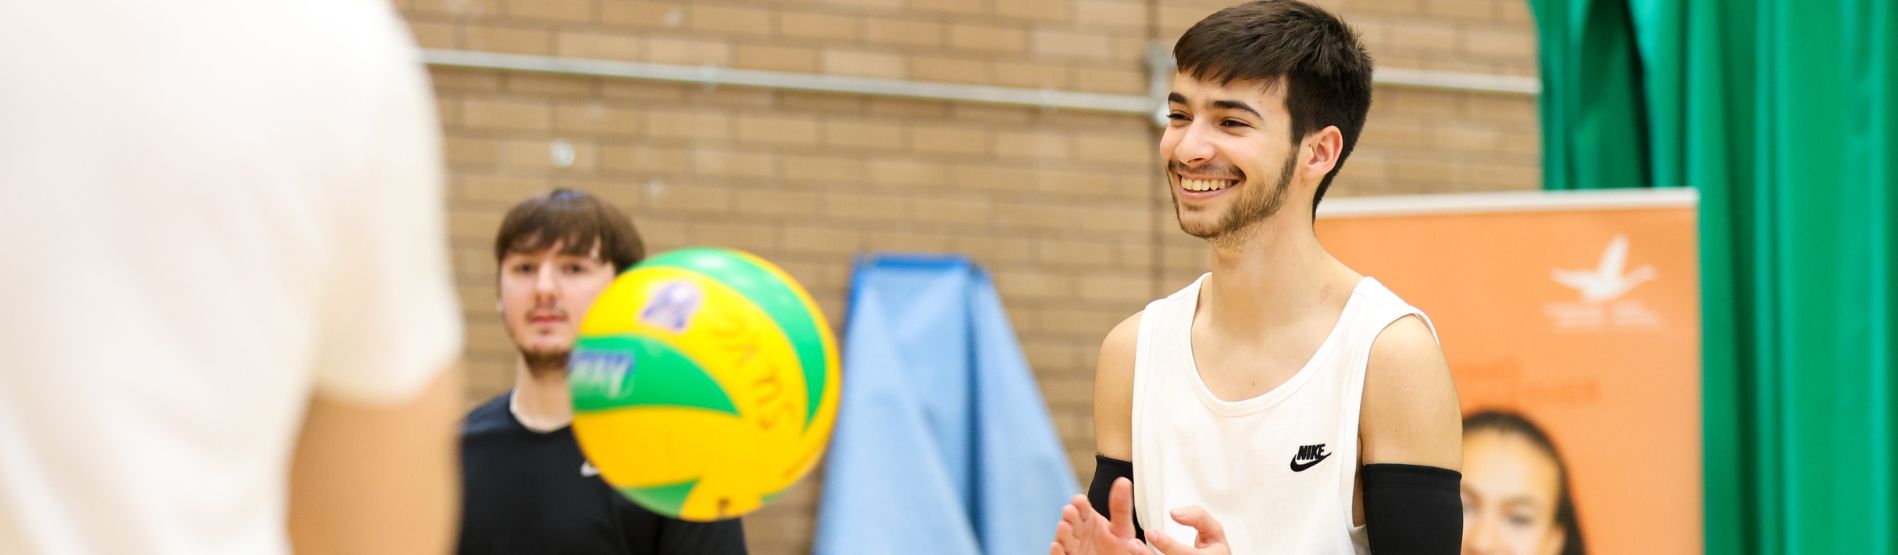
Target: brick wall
point(1065, 208)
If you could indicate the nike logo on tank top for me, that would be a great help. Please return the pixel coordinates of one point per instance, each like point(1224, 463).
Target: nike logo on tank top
point(1277, 470)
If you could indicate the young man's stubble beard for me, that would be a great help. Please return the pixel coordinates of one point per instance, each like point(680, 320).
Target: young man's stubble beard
point(1250, 208)
point(543, 362)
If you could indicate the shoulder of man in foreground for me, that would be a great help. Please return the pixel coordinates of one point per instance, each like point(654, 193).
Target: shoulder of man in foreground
point(377, 477)
point(1410, 413)
point(1114, 390)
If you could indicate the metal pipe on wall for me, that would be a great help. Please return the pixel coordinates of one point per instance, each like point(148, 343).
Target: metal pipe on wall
point(1050, 99)
point(720, 76)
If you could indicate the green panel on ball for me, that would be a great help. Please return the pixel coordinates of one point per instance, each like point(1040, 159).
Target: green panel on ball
point(625, 371)
point(774, 296)
point(668, 499)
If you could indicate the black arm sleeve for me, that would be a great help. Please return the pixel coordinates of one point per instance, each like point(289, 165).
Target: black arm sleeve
point(1105, 471)
point(1410, 509)
point(724, 537)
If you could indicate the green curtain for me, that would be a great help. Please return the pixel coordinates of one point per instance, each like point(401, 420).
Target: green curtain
point(1591, 92)
point(1784, 114)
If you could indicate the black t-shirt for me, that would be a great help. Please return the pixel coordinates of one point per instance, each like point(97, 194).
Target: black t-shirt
point(526, 492)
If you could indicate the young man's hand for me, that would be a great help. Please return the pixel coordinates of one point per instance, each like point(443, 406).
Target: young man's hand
point(1211, 538)
point(1083, 531)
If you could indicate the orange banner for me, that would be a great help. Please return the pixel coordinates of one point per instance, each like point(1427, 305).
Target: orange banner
point(1571, 322)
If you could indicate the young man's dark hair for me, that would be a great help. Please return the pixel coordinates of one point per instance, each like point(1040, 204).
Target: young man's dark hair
point(1317, 58)
point(575, 219)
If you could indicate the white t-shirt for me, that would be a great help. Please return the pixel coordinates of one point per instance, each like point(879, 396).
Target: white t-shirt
point(1278, 469)
point(211, 211)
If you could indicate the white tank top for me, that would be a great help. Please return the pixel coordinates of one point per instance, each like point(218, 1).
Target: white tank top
point(1276, 470)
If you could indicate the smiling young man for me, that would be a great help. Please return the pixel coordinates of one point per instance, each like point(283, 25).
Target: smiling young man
point(1282, 403)
point(528, 489)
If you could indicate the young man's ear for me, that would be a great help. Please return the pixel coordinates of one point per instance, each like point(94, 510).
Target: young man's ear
point(1319, 152)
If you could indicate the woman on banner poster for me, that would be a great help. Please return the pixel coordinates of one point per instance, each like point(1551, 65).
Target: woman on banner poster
point(1516, 497)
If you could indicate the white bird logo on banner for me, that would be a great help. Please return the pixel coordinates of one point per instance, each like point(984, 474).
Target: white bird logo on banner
point(1606, 281)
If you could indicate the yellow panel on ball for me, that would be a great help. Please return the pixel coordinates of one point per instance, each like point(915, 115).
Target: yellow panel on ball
point(817, 433)
point(712, 451)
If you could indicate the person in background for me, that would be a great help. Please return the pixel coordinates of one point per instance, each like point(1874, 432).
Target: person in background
point(529, 488)
point(1516, 498)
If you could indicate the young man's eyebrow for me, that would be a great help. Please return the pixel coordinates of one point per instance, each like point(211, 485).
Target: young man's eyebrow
point(1237, 105)
point(1177, 98)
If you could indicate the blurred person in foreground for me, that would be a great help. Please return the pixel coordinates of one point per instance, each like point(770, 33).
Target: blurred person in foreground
point(1516, 495)
point(231, 324)
point(529, 488)
point(1282, 403)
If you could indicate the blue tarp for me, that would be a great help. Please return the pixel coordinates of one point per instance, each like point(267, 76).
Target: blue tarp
point(942, 442)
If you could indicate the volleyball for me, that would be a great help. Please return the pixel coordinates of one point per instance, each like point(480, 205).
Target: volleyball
point(705, 383)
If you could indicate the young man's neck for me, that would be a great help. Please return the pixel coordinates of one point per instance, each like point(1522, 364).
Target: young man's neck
point(541, 400)
point(1272, 272)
